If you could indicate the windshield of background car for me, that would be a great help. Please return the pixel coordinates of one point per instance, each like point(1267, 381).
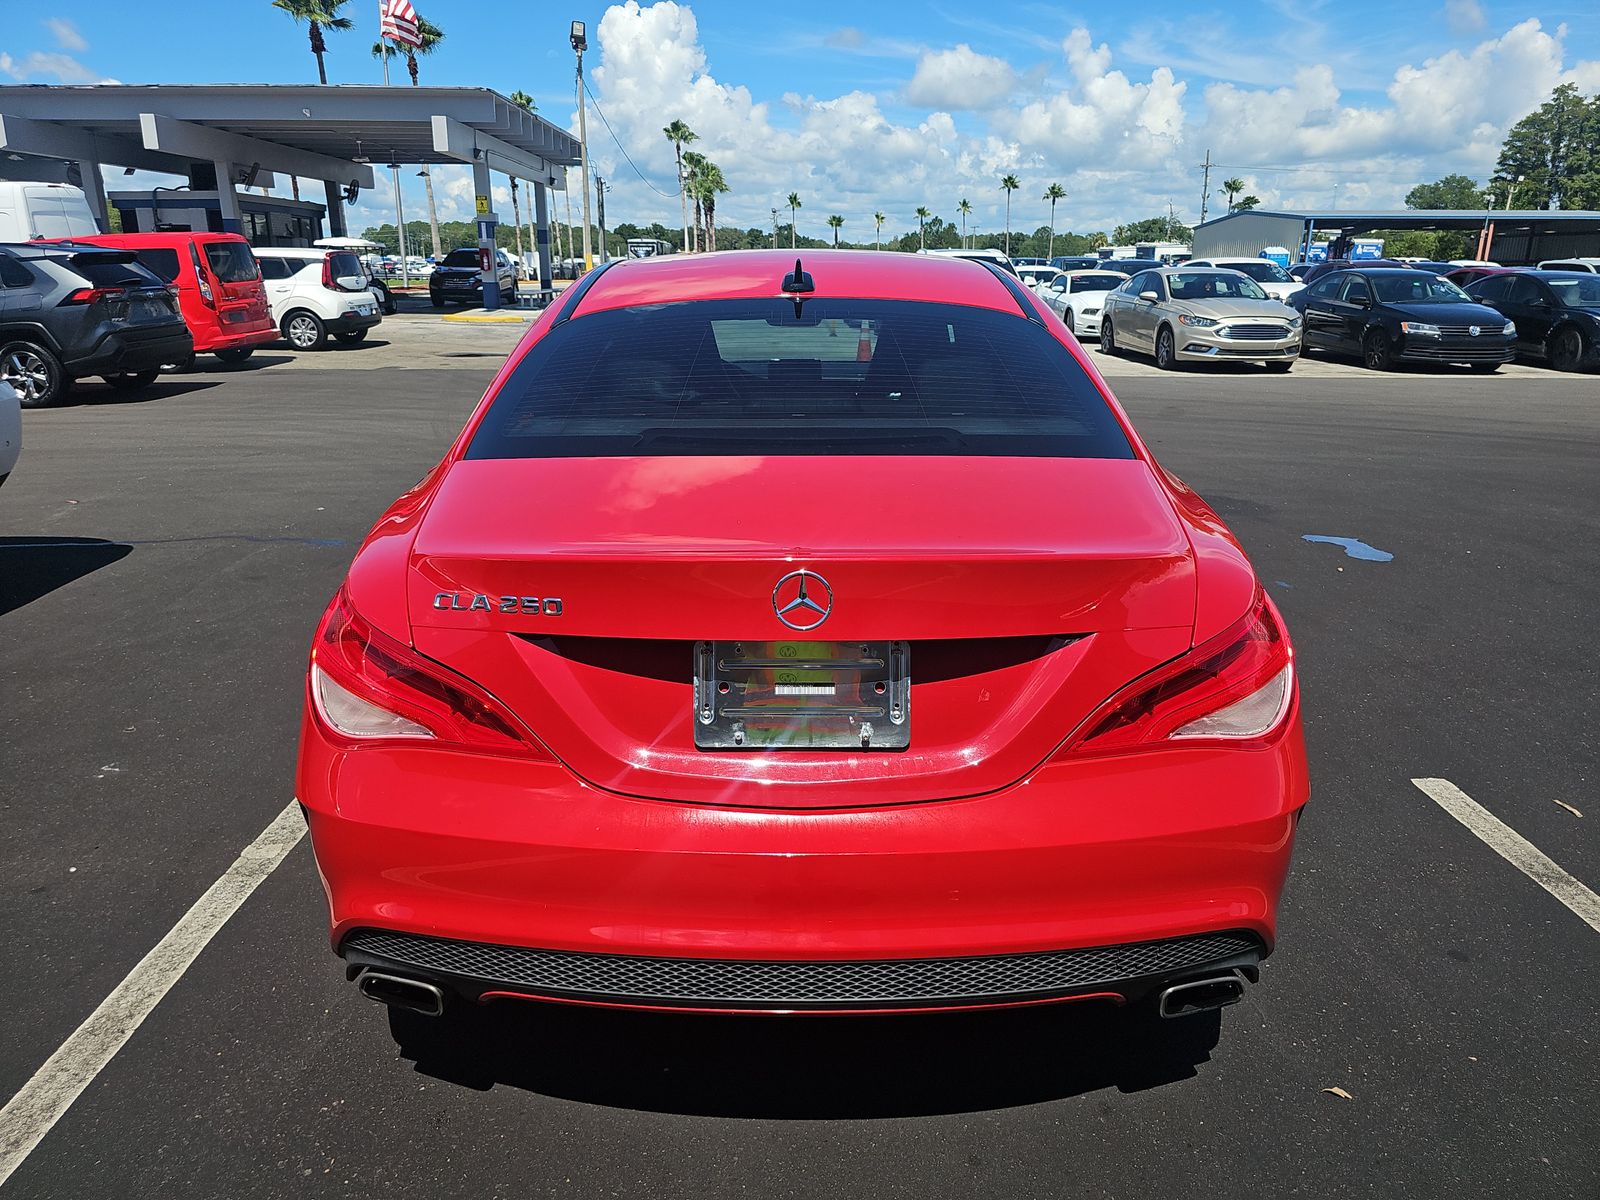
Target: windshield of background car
point(232, 262)
point(460, 258)
point(1214, 285)
point(1097, 283)
point(848, 377)
point(1576, 291)
point(1416, 287)
point(1264, 271)
point(160, 261)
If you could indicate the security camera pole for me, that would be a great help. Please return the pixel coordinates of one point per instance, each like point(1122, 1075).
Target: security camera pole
point(580, 43)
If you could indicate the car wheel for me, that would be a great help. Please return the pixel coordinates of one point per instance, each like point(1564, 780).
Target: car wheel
point(1108, 338)
point(386, 302)
point(1565, 349)
point(351, 336)
point(1070, 323)
point(1485, 368)
point(132, 381)
point(436, 301)
point(35, 373)
point(304, 331)
point(233, 358)
point(1377, 351)
point(1166, 350)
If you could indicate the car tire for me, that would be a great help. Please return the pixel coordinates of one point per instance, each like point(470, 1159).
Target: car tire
point(1066, 318)
point(36, 374)
point(386, 304)
point(1108, 338)
point(1166, 349)
point(1377, 351)
point(351, 336)
point(436, 301)
point(304, 330)
point(132, 381)
point(1565, 349)
point(232, 358)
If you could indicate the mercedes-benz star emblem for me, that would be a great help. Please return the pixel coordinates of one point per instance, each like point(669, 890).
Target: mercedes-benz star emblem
point(802, 600)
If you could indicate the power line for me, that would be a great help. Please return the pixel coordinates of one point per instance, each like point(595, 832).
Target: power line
point(614, 138)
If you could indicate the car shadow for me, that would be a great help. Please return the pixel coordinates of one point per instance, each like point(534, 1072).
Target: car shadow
point(809, 1067)
point(84, 394)
point(31, 567)
point(256, 362)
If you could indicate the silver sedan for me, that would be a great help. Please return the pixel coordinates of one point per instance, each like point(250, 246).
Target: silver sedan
point(1179, 314)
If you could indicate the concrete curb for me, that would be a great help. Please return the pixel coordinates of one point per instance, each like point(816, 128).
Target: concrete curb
point(486, 319)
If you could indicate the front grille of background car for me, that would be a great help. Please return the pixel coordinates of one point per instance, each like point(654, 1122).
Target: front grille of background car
point(708, 982)
point(1465, 331)
point(1261, 333)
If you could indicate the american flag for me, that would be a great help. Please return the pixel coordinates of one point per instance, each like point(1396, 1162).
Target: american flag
point(398, 22)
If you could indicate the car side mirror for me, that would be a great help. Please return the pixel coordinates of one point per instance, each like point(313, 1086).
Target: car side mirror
point(1150, 296)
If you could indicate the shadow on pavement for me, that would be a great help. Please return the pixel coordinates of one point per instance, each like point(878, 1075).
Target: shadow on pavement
point(811, 1067)
point(83, 394)
point(31, 567)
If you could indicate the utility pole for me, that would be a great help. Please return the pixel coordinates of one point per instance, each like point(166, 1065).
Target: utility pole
point(774, 229)
point(600, 200)
point(580, 43)
point(1169, 220)
point(1205, 185)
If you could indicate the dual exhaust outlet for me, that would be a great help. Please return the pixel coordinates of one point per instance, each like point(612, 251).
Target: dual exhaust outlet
point(1179, 1000)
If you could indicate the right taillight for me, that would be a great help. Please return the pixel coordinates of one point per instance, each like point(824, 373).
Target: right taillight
point(1235, 689)
point(366, 687)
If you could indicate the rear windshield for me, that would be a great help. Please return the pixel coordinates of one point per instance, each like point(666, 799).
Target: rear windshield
point(1265, 271)
point(105, 271)
point(849, 377)
point(460, 258)
point(160, 261)
point(344, 263)
point(232, 262)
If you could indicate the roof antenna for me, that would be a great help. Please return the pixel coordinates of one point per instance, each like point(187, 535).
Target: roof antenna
point(797, 283)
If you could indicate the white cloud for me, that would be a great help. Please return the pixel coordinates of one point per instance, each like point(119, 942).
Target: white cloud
point(1465, 16)
point(960, 78)
point(66, 34)
point(40, 64)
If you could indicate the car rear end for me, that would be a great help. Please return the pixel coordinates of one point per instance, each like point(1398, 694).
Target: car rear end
point(110, 315)
point(763, 648)
point(231, 292)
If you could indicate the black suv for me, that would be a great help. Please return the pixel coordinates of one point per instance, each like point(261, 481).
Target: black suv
point(457, 279)
point(68, 310)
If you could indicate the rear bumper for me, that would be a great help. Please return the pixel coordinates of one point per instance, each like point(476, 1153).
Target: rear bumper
point(234, 338)
point(493, 853)
point(349, 320)
point(118, 353)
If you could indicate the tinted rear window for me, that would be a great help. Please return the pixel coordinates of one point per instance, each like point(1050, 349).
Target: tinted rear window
point(231, 262)
point(103, 271)
point(851, 377)
point(159, 261)
point(460, 258)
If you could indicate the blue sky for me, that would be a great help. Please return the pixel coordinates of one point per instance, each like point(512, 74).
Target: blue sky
point(892, 105)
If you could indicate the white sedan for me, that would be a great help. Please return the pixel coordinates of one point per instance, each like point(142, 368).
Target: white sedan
point(1036, 277)
point(1077, 298)
point(10, 428)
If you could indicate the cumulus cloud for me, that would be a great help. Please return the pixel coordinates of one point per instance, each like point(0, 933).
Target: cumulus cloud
point(960, 78)
point(63, 68)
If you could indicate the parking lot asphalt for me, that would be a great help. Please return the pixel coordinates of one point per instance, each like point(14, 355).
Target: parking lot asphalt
point(163, 561)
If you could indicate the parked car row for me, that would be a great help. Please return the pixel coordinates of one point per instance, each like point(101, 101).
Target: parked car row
point(125, 306)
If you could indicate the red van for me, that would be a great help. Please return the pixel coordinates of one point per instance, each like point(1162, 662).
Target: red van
point(219, 286)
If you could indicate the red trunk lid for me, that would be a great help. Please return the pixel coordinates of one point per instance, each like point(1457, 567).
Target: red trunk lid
point(1028, 590)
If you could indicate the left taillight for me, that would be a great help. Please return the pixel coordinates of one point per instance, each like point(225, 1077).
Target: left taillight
point(366, 687)
point(1235, 689)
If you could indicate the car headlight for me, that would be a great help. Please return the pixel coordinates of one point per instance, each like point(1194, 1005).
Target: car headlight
point(1419, 329)
point(1195, 322)
point(1089, 312)
point(1295, 322)
point(1510, 329)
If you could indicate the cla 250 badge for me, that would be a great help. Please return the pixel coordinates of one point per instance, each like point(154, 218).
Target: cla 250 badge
point(528, 606)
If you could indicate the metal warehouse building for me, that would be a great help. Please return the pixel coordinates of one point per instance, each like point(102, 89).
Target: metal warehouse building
point(1515, 238)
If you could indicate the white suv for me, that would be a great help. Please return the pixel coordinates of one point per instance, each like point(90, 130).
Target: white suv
point(317, 293)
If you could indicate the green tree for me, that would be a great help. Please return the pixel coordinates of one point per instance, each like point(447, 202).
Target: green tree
point(1246, 202)
point(318, 15)
point(693, 164)
point(1453, 191)
point(680, 135)
point(834, 223)
point(1151, 229)
point(1053, 193)
point(965, 209)
point(1009, 183)
point(794, 222)
point(709, 183)
point(522, 100)
point(1231, 187)
point(922, 217)
point(878, 219)
point(1552, 155)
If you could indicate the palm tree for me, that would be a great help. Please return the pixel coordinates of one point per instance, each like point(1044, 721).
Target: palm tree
point(318, 15)
point(965, 209)
point(1231, 187)
point(879, 219)
point(680, 135)
point(1010, 183)
point(431, 35)
point(693, 164)
point(710, 182)
point(835, 222)
point(922, 215)
point(1053, 193)
point(794, 207)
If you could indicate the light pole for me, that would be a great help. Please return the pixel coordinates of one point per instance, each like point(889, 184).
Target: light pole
point(1511, 190)
point(580, 43)
point(774, 229)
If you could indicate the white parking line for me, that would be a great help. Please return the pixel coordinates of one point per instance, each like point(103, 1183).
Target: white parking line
point(1514, 848)
point(43, 1100)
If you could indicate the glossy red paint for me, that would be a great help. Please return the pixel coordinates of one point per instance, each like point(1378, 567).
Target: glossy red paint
point(1031, 591)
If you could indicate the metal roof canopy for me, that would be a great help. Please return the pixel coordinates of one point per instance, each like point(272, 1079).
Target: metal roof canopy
point(1356, 221)
point(313, 131)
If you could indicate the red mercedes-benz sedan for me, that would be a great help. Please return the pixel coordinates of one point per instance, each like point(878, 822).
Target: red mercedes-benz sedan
point(795, 637)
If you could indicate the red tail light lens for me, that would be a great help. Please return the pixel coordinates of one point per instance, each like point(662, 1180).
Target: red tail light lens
point(1235, 689)
point(367, 687)
point(90, 295)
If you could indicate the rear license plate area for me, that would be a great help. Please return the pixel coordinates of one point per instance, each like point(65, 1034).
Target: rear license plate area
point(802, 695)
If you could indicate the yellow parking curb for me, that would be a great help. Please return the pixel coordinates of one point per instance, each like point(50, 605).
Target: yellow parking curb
point(485, 319)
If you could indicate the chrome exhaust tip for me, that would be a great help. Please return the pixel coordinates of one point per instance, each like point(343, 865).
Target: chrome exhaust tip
point(1202, 995)
point(399, 992)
